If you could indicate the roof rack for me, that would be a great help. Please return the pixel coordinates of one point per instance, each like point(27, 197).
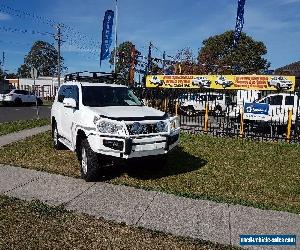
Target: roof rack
point(96, 77)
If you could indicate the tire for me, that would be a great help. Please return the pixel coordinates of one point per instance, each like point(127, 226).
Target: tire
point(39, 102)
point(18, 102)
point(218, 110)
point(55, 136)
point(89, 161)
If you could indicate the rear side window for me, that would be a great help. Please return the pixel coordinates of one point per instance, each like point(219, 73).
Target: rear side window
point(276, 100)
point(24, 92)
point(289, 100)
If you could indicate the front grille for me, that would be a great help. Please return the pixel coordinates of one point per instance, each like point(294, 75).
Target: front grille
point(145, 129)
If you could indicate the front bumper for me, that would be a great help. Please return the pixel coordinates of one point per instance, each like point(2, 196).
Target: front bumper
point(134, 147)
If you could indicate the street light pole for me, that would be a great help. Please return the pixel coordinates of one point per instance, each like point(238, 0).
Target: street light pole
point(58, 39)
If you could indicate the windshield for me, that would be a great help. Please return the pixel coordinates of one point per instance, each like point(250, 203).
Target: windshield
point(102, 96)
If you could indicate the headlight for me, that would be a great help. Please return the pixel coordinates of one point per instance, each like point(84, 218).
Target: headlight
point(161, 126)
point(107, 127)
point(174, 124)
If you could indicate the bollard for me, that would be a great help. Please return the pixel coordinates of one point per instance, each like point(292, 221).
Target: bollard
point(206, 118)
point(176, 108)
point(242, 123)
point(289, 125)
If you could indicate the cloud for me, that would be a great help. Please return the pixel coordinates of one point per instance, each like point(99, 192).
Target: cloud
point(4, 16)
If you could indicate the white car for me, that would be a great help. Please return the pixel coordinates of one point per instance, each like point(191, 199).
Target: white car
point(19, 97)
point(193, 103)
point(277, 105)
point(201, 81)
point(280, 82)
point(221, 80)
point(102, 121)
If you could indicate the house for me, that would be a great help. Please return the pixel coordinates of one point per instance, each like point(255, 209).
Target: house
point(290, 69)
point(45, 87)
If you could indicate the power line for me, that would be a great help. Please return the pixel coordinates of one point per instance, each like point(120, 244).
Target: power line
point(67, 30)
point(25, 31)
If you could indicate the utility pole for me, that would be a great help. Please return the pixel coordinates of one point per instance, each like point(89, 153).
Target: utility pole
point(59, 41)
point(2, 62)
point(132, 66)
point(149, 59)
point(164, 62)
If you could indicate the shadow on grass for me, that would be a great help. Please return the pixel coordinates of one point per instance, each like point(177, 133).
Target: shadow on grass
point(178, 162)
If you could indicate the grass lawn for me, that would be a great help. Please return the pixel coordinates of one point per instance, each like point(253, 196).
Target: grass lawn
point(33, 225)
point(259, 174)
point(10, 127)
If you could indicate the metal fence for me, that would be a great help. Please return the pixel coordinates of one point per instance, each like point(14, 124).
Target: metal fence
point(222, 113)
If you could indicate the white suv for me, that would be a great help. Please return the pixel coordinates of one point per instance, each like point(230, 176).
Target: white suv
point(98, 119)
point(19, 97)
point(193, 103)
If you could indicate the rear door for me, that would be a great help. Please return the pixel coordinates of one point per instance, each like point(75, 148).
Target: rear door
point(276, 107)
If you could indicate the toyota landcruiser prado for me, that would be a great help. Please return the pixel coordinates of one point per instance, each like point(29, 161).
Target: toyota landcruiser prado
point(99, 119)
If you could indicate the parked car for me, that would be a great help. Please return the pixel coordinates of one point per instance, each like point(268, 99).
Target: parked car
point(271, 108)
point(194, 103)
point(201, 81)
point(280, 82)
point(19, 97)
point(221, 80)
point(100, 121)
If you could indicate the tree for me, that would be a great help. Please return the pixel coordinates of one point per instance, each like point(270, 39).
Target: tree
point(24, 71)
point(218, 56)
point(187, 64)
point(123, 60)
point(1, 74)
point(11, 76)
point(43, 56)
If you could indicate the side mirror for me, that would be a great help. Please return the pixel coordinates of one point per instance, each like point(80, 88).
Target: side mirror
point(69, 103)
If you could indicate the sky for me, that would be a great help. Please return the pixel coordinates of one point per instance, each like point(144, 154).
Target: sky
point(169, 25)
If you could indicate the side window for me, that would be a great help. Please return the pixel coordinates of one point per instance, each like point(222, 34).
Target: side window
point(276, 100)
point(75, 94)
point(19, 92)
point(289, 100)
point(61, 94)
point(68, 91)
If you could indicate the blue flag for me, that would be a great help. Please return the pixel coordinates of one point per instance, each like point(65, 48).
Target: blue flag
point(106, 34)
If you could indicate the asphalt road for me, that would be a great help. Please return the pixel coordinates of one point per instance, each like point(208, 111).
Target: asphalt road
point(8, 114)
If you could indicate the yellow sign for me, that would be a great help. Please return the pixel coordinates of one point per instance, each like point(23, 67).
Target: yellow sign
point(247, 82)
